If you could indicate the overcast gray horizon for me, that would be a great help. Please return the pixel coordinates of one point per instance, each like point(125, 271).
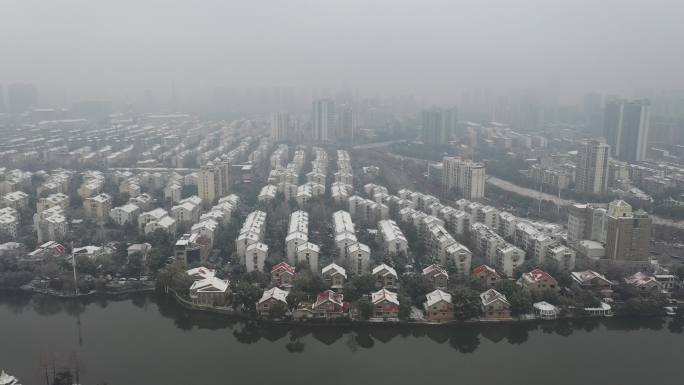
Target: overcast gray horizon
point(433, 49)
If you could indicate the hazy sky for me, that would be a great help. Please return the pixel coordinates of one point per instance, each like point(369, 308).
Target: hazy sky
point(96, 48)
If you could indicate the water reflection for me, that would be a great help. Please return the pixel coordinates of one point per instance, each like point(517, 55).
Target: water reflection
point(462, 338)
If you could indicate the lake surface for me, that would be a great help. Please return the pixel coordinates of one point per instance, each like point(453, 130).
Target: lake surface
point(148, 339)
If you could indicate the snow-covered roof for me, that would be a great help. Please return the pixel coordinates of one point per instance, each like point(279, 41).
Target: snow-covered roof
point(437, 296)
point(384, 270)
point(490, 296)
point(334, 268)
point(384, 295)
point(274, 293)
point(210, 284)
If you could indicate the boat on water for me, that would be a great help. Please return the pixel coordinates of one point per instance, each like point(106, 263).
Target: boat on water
point(6, 379)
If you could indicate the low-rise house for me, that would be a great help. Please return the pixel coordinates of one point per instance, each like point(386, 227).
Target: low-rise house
point(385, 304)
point(668, 282)
point(139, 248)
point(438, 306)
point(330, 305)
point(544, 310)
point(591, 280)
point(487, 275)
point(385, 277)
point(495, 306)
point(334, 275)
point(271, 297)
point(47, 250)
point(438, 276)
point(538, 280)
point(201, 272)
point(283, 275)
point(643, 283)
point(603, 310)
point(210, 291)
point(90, 251)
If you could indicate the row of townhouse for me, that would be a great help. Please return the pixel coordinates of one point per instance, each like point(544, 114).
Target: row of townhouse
point(14, 180)
point(267, 193)
point(9, 221)
point(157, 219)
point(51, 223)
point(57, 182)
point(260, 153)
point(279, 157)
point(98, 207)
point(329, 305)
point(319, 167)
point(299, 249)
point(93, 183)
point(367, 211)
point(340, 192)
point(495, 249)
point(438, 241)
point(308, 191)
point(16, 199)
point(194, 247)
point(392, 238)
point(344, 173)
point(250, 248)
point(351, 253)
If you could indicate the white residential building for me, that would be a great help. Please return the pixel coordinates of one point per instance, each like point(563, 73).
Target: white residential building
point(255, 256)
point(9, 221)
point(393, 239)
point(16, 199)
point(308, 253)
point(127, 213)
point(252, 232)
point(98, 206)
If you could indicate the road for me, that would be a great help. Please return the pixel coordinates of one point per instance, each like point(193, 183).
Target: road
point(527, 192)
point(524, 191)
point(376, 145)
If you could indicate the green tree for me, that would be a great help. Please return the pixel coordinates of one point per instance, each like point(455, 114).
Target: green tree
point(246, 295)
point(404, 307)
point(278, 310)
point(359, 286)
point(309, 283)
point(416, 286)
point(466, 303)
point(365, 308)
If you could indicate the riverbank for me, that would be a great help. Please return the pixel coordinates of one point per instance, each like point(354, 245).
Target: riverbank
point(133, 330)
point(350, 322)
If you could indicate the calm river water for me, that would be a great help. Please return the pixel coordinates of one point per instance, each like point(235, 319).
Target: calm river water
point(147, 339)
